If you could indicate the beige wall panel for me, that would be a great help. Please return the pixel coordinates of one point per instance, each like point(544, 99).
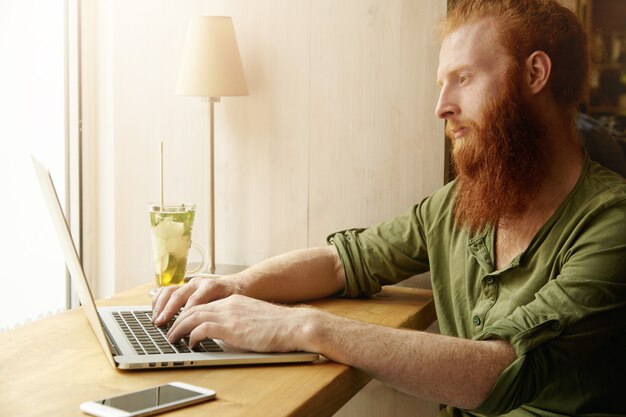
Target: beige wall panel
point(376, 146)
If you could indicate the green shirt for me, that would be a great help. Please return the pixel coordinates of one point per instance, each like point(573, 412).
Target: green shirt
point(561, 303)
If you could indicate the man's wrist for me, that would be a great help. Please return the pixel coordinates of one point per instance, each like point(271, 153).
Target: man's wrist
point(235, 283)
point(314, 330)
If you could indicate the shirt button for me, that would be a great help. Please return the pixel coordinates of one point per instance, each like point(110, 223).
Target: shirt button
point(489, 280)
point(556, 326)
point(476, 320)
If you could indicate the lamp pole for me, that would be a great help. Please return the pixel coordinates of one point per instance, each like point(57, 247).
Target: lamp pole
point(211, 235)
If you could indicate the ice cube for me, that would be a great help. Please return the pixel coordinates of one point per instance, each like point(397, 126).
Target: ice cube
point(178, 246)
point(168, 229)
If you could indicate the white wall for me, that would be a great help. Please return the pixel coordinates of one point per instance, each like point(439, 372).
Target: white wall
point(338, 130)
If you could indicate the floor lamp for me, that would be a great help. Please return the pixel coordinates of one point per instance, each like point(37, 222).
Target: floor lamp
point(211, 68)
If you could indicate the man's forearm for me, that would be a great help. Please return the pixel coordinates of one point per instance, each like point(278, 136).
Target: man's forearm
point(300, 275)
point(443, 369)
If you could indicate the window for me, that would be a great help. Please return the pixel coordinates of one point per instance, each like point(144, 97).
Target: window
point(32, 121)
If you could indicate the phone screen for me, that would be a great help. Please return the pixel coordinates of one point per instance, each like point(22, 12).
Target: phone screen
point(148, 398)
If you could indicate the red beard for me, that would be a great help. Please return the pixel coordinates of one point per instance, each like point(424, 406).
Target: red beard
point(499, 165)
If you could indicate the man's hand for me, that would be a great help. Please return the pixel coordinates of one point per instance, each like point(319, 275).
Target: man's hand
point(245, 323)
point(169, 300)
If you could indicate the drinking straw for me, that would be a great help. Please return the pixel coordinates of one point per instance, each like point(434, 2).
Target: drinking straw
point(161, 172)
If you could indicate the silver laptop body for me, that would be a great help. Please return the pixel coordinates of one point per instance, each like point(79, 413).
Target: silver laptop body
point(112, 325)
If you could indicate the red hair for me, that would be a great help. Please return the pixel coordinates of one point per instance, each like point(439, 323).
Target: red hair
point(526, 26)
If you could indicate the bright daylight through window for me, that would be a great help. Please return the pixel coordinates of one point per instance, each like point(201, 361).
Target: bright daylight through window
point(32, 121)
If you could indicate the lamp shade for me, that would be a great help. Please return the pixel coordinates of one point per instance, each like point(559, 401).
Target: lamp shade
point(211, 65)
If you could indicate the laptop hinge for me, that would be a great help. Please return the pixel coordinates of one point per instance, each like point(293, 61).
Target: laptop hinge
point(114, 349)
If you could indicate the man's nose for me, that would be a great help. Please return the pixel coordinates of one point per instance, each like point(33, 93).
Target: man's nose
point(445, 106)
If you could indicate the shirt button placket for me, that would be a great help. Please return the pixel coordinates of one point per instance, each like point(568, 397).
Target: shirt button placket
point(485, 302)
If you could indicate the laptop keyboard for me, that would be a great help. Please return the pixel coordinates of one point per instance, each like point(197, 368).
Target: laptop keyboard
point(148, 339)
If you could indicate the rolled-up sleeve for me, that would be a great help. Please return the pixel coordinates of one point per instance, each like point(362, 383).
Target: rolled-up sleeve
point(382, 255)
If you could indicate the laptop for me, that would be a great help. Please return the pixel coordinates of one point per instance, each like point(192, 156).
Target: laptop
point(127, 336)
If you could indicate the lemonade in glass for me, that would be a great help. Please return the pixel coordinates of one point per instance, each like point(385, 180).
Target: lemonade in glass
point(171, 240)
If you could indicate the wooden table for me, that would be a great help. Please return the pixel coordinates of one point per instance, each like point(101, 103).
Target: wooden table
point(49, 367)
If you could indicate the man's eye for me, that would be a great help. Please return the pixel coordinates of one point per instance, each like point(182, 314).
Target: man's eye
point(463, 78)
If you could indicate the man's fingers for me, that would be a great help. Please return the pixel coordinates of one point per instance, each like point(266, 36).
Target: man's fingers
point(169, 302)
point(202, 295)
point(206, 330)
point(160, 300)
point(198, 291)
point(188, 321)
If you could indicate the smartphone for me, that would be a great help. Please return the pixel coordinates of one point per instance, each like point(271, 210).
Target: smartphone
point(149, 401)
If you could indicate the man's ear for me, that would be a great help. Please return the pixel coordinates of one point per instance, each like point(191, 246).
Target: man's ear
point(538, 65)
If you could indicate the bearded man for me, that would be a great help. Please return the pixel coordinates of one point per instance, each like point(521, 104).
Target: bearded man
point(526, 248)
